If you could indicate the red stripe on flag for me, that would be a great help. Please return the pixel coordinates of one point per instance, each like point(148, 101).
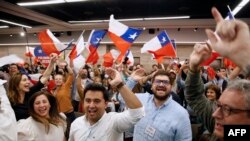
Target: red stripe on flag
point(228, 63)
point(73, 53)
point(167, 50)
point(108, 60)
point(211, 73)
point(93, 57)
point(211, 59)
point(47, 43)
point(121, 44)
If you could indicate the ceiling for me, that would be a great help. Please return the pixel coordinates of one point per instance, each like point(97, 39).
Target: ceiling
point(56, 16)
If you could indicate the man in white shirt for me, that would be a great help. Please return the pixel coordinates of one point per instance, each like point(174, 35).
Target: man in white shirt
point(98, 125)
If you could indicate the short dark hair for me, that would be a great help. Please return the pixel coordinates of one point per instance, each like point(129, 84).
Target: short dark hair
point(162, 72)
point(96, 87)
point(215, 88)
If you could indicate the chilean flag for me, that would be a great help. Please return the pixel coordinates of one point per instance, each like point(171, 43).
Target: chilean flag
point(160, 46)
point(30, 52)
point(50, 43)
point(110, 57)
point(78, 62)
point(211, 73)
point(228, 63)
point(93, 43)
point(130, 56)
point(213, 56)
point(77, 48)
point(122, 35)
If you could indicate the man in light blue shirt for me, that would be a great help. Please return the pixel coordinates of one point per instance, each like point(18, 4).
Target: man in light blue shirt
point(165, 119)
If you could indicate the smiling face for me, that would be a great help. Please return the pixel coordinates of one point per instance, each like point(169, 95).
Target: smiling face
point(13, 69)
point(24, 84)
point(59, 79)
point(42, 106)
point(211, 95)
point(94, 105)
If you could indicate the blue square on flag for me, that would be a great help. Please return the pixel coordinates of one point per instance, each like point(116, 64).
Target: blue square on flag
point(38, 51)
point(163, 38)
point(97, 37)
point(131, 34)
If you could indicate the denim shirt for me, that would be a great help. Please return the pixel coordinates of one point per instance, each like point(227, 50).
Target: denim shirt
point(169, 122)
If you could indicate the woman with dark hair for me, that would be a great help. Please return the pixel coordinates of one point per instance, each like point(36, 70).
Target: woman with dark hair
point(19, 90)
point(213, 92)
point(45, 122)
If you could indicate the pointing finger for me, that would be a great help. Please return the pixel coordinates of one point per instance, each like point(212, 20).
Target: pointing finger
point(216, 14)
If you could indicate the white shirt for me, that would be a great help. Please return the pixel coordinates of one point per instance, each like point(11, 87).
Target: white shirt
point(31, 130)
point(8, 125)
point(109, 128)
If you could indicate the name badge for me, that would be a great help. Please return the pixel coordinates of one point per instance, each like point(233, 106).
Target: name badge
point(150, 131)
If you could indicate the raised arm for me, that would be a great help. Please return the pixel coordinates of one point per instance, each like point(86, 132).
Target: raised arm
point(194, 88)
point(70, 67)
point(232, 40)
point(48, 71)
point(79, 86)
point(129, 97)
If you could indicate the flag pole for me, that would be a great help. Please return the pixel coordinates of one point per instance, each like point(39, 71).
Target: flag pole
point(27, 43)
point(230, 11)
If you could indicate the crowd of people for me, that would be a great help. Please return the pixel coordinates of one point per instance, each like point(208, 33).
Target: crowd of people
point(131, 103)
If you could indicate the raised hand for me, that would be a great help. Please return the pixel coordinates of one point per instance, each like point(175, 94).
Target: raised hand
point(115, 76)
point(200, 53)
point(53, 57)
point(138, 74)
point(231, 39)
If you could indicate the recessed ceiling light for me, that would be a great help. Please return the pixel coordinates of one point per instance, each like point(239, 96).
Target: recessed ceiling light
point(22, 34)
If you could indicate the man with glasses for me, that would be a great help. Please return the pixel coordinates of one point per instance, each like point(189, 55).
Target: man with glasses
point(231, 40)
point(164, 118)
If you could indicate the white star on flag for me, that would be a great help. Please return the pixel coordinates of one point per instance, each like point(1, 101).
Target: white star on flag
point(40, 51)
point(163, 40)
point(97, 40)
point(133, 36)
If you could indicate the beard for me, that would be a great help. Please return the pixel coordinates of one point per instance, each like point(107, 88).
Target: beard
point(161, 97)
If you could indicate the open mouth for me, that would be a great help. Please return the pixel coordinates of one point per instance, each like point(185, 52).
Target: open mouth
point(43, 110)
point(219, 126)
point(161, 88)
point(92, 112)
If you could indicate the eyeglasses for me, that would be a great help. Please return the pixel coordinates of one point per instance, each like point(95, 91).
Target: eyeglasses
point(158, 82)
point(227, 111)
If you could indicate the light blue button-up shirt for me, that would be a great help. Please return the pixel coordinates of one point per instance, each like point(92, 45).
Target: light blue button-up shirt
point(169, 122)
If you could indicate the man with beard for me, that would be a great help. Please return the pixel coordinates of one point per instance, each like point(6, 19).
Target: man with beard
point(164, 118)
